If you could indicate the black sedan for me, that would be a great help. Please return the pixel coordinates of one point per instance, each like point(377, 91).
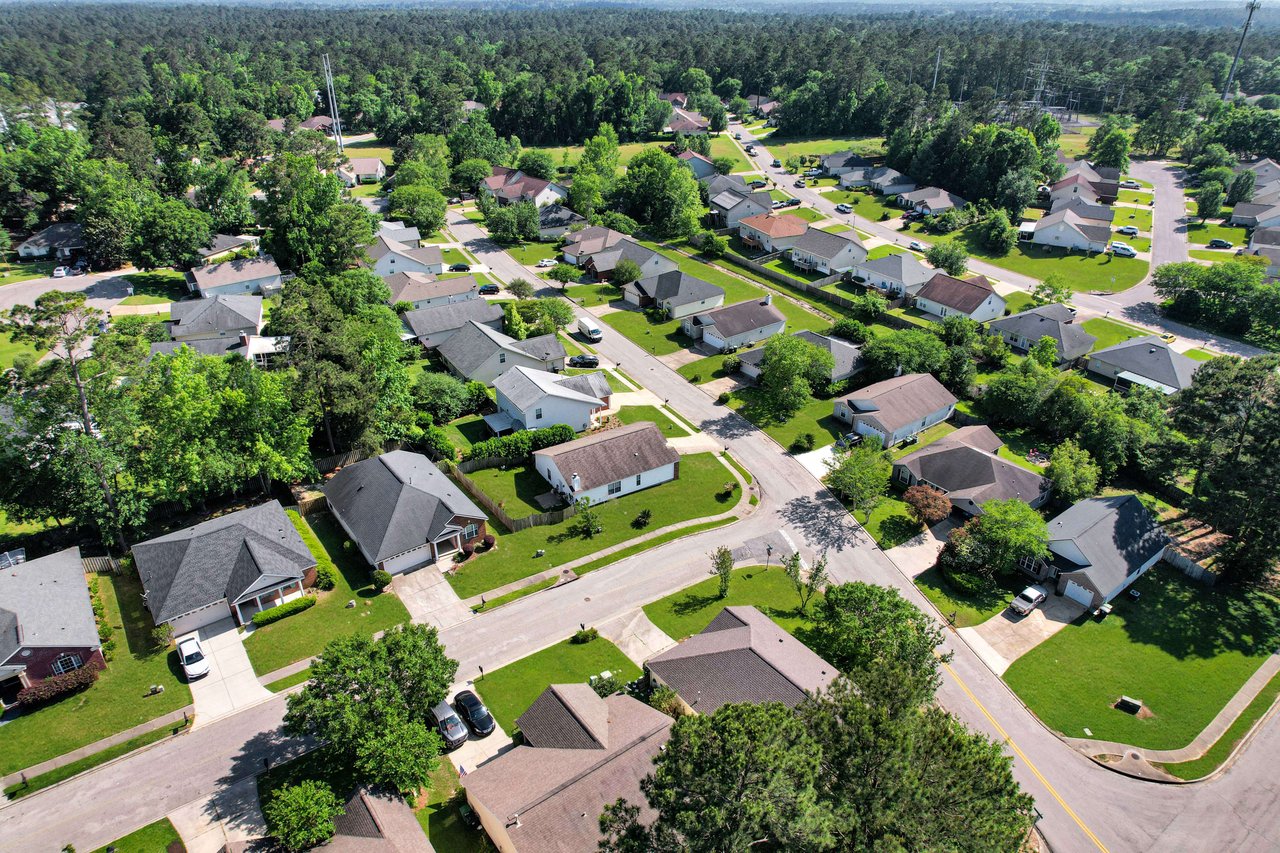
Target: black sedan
point(473, 711)
point(584, 361)
point(460, 267)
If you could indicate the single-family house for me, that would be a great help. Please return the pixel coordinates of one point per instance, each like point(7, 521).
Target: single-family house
point(1098, 547)
point(479, 353)
point(730, 206)
point(1254, 215)
point(47, 626)
point(841, 162)
point(227, 567)
point(531, 399)
point(737, 325)
point(321, 124)
point(900, 274)
point(276, 124)
point(687, 122)
point(827, 253)
point(1073, 186)
point(580, 245)
point(469, 106)
point(1270, 194)
point(771, 232)
point(1266, 171)
point(846, 357)
point(555, 219)
point(223, 246)
point(609, 464)
point(401, 233)
point(946, 296)
point(243, 275)
point(741, 656)
point(402, 511)
point(965, 467)
point(716, 184)
point(432, 326)
point(931, 200)
point(1103, 181)
point(59, 241)
point(1023, 330)
point(601, 264)
point(881, 179)
point(258, 350)
point(1265, 243)
point(1085, 209)
point(1144, 361)
point(387, 256)
point(509, 186)
point(423, 290)
point(676, 292)
point(1065, 229)
point(579, 754)
point(679, 100)
point(362, 170)
point(896, 409)
point(699, 164)
point(377, 821)
point(216, 317)
point(762, 105)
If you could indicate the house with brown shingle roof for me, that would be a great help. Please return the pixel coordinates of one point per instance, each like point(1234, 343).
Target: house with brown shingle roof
point(736, 325)
point(742, 656)
point(701, 165)
point(946, 296)
point(1065, 228)
point(772, 232)
point(362, 170)
point(509, 186)
point(609, 464)
point(388, 256)
point(580, 754)
point(580, 245)
point(896, 409)
point(965, 466)
point(687, 121)
point(424, 290)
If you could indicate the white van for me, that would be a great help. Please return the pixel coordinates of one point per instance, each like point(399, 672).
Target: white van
point(590, 329)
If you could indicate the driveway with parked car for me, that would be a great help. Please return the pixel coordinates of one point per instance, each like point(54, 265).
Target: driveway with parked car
point(1008, 635)
point(230, 683)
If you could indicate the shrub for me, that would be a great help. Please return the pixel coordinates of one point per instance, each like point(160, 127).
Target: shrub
point(468, 549)
point(642, 520)
point(381, 579)
point(724, 398)
point(967, 583)
point(664, 699)
point(607, 686)
point(731, 364)
point(326, 576)
point(518, 445)
point(436, 444)
point(489, 541)
point(586, 635)
point(162, 635)
point(57, 686)
point(301, 816)
point(886, 216)
point(803, 443)
point(695, 378)
point(851, 330)
point(280, 611)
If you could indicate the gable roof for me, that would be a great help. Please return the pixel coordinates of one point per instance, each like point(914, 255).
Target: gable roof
point(963, 295)
point(316, 123)
point(220, 313)
point(718, 183)
point(469, 347)
point(1150, 358)
point(611, 455)
point(730, 198)
point(226, 243)
point(607, 259)
point(964, 464)
point(425, 322)
point(557, 216)
point(593, 238)
point(513, 184)
point(383, 245)
point(733, 320)
point(824, 244)
point(933, 197)
point(1266, 169)
point(677, 287)
point(776, 224)
point(1116, 536)
point(843, 159)
point(896, 402)
point(1091, 229)
point(847, 357)
point(690, 154)
point(1246, 209)
point(45, 602)
point(687, 121)
point(1269, 236)
point(60, 235)
point(581, 754)
point(524, 387)
point(1085, 209)
point(219, 559)
point(396, 502)
point(364, 165)
point(248, 347)
point(903, 267)
point(1055, 321)
point(234, 272)
point(416, 286)
point(377, 822)
point(742, 656)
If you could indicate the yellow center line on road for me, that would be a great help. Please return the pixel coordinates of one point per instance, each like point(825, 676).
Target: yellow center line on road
point(1027, 761)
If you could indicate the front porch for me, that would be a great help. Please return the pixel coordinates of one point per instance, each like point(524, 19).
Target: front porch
point(265, 600)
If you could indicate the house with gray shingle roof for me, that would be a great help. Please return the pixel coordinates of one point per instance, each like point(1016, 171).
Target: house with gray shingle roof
point(742, 656)
point(847, 357)
point(555, 219)
point(217, 317)
point(1067, 229)
point(222, 246)
point(61, 240)
point(388, 256)
point(827, 253)
point(1024, 330)
point(899, 274)
point(531, 399)
point(730, 206)
point(931, 200)
point(424, 290)
point(896, 409)
point(601, 264)
point(402, 511)
point(47, 626)
point(243, 275)
point(1144, 361)
point(676, 292)
point(433, 326)
point(481, 354)
point(609, 464)
point(737, 325)
point(946, 296)
point(965, 466)
point(230, 566)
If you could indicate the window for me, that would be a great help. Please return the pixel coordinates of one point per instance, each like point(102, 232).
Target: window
point(637, 479)
point(66, 663)
point(615, 487)
point(903, 474)
point(470, 531)
point(537, 414)
point(502, 358)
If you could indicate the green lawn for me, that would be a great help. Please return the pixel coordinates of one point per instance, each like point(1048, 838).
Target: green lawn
point(1215, 255)
point(441, 819)
point(924, 438)
point(808, 214)
point(530, 253)
point(593, 295)
point(867, 146)
point(1018, 301)
point(735, 289)
point(1222, 749)
point(80, 765)
point(1200, 354)
point(1111, 332)
point(694, 495)
point(1139, 244)
point(865, 204)
point(490, 603)
point(817, 417)
point(509, 691)
point(305, 634)
point(884, 251)
point(156, 287)
point(154, 837)
point(705, 369)
point(1135, 197)
point(1201, 233)
point(1139, 216)
point(9, 351)
point(365, 190)
point(466, 431)
point(632, 550)
point(1074, 144)
point(282, 684)
point(1184, 649)
point(635, 414)
point(12, 273)
point(514, 488)
point(117, 701)
point(369, 148)
point(687, 612)
point(784, 266)
point(625, 151)
point(661, 338)
point(723, 145)
point(968, 610)
point(889, 523)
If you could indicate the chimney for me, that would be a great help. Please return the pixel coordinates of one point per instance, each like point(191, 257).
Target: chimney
point(244, 339)
point(575, 481)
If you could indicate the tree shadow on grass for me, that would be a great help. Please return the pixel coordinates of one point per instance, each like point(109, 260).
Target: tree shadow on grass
point(897, 529)
point(693, 603)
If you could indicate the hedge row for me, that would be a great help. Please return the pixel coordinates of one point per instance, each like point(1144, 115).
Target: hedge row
point(57, 686)
point(520, 444)
point(275, 614)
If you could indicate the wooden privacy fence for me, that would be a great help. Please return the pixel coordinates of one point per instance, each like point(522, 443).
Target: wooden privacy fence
point(1189, 567)
point(100, 566)
point(329, 463)
point(459, 471)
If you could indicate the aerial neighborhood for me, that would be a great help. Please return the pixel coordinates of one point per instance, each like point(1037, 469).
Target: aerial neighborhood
point(637, 428)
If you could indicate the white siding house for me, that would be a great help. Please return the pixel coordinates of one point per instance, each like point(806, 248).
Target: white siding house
point(531, 399)
point(609, 464)
point(246, 275)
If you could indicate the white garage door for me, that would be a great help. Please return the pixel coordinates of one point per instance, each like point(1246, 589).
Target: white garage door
point(1079, 594)
point(414, 559)
point(199, 618)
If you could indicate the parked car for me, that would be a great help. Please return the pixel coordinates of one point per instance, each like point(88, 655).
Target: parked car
point(737, 136)
point(60, 272)
point(849, 439)
point(488, 290)
point(916, 246)
point(473, 711)
point(800, 182)
point(1128, 230)
point(758, 184)
point(584, 361)
point(791, 202)
point(1027, 600)
point(455, 200)
point(450, 727)
point(1219, 243)
point(546, 263)
point(776, 163)
point(778, 204)
point(1123, 250)
point(844, 208)
point(812, 173)
point(467, 196)
point(749, 148)
point(191, 656)
point(1130, 184)
point(460, 267)
point(1168, 337)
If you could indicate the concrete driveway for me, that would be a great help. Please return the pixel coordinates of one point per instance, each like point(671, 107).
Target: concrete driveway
point(476, 751)
point(429, 598)
point(231, 684)
point(1005, 637)
point(918, 554)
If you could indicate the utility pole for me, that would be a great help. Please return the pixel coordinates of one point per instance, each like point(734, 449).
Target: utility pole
point(333, 102)
point(1251, 6)
point(937, 63)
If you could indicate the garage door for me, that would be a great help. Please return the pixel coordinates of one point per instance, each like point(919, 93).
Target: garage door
point(189, 622)
point(414, 559)
point(1078, 594)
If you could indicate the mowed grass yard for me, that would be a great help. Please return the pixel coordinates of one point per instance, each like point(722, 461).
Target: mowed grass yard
point(1183, 649)
point(151, 838)
point(1111, 332)
point(370, 148)
point(156, 287)
point(865, 204)
point(509, 691)
point(695, 494)
point(1200, 233)
point(307, 633)
point(10, 351)
point(687, 612)
point(117, 701)
point(969, 610)
point(636, 414)
point(816, 417)
point(867, 146)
